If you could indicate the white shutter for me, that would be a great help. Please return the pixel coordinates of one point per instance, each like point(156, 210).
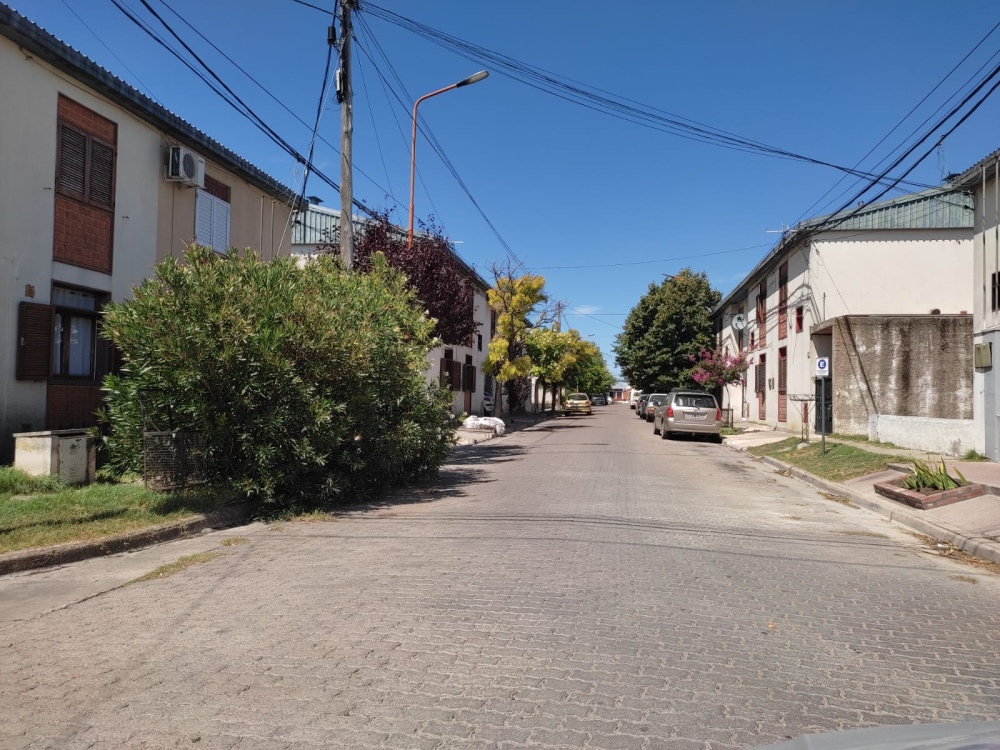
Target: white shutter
point(211, 222)
point(203, 219)
point(220, 226)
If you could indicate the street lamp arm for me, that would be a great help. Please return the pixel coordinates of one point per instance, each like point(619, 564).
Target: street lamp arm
point(474, 78)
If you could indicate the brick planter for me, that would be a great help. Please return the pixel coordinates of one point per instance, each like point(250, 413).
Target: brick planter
point(894, 490)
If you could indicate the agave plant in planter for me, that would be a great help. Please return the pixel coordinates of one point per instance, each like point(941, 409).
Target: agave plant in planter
point(926, 478)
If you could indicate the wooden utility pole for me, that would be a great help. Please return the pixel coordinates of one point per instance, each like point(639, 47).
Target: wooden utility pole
point(346, 135)
point(559, 313)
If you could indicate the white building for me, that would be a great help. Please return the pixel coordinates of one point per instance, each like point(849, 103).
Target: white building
point(461, 365)
point(983, 180)
point(885, 295)
point(87, 206)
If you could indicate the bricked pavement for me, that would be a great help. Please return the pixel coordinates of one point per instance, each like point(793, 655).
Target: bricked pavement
point(581, 584)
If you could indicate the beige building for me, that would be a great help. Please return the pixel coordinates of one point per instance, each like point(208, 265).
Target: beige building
point(885, 296)
point(461, 366)
point(98, 183)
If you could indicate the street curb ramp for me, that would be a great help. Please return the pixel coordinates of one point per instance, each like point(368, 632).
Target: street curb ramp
point(46, 557)
point(981, 547)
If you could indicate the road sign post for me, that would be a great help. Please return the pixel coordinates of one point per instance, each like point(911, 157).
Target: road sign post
point(823, 373)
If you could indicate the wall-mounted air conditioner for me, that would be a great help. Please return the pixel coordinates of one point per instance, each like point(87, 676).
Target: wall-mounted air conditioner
point(184, 166)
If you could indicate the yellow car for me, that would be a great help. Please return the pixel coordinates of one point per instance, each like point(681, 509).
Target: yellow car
point(577, 403)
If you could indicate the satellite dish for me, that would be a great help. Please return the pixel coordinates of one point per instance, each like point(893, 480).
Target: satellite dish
point(739, 322)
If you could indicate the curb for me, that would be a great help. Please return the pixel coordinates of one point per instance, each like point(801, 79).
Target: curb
point(978, 546)
point(46, 557)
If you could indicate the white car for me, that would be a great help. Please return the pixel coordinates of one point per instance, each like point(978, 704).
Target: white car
point(636, 395)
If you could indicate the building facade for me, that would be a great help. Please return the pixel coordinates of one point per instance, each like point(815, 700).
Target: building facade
point(88, 205)
point(911, 256)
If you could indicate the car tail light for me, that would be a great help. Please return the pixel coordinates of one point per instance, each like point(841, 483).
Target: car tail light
point(670, 411)
point(718, 414)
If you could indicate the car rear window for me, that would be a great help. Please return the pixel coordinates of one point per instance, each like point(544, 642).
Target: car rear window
point(577, 397)
point(695, 400)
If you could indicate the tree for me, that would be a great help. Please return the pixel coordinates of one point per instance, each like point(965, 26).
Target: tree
point(589, 372)
point(514, 299)
point(717, 367)
point(432, 271)
point(307, 382)
point(552, 354)
point(668, 326)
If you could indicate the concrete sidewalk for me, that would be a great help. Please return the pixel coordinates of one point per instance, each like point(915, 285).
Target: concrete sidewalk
point(971, 525)
point(522, 421)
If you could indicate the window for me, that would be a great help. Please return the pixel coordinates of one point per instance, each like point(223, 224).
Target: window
point(211, 222)
point(800, 318)
point(762, 312)
point(479, 341)
point(74, 335)
point(753, 341)
point(996, 291)
point(61, 339)
point(782, 384)
point(783, 301)
point(86, 168)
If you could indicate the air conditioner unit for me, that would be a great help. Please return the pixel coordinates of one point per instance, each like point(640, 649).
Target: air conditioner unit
point(184, 166)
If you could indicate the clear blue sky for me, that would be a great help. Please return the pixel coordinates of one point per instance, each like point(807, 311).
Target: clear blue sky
point(566, 186)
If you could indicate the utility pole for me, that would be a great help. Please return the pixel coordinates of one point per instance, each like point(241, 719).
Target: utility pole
point(559, 313)
point(346, 97)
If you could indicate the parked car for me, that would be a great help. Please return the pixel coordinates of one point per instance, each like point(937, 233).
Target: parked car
point(577, 403)
point(598, 399)
point(640, 404)
point(688, 412)
point(487, 405)
point(634, 399)
point(652, 401)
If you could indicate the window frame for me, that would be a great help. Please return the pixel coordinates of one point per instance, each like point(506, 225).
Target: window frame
point(203, 195)
point(95, 373)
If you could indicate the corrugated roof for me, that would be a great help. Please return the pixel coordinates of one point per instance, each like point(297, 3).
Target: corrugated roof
point(947, 207)
point(974, 174)
point(47, 47)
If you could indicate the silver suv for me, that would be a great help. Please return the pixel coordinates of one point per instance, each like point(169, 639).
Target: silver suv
point(691, 412)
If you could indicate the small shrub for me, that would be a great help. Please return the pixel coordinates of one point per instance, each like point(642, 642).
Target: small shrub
point(924, 477)
point(973, 455)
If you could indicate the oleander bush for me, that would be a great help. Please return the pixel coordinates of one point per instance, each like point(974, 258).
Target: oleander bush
point(307, 379)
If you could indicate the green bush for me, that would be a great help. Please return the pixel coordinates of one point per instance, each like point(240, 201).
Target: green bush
point(307, 381)
point(16, 482)
point(926, 478)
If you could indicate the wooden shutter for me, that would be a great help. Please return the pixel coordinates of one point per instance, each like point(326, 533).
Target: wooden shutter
point(102, 174)
point(34, 341)
point(72, 162)
point(782, 373)
point(760, 376)
point(203, 219)
point(469, 379)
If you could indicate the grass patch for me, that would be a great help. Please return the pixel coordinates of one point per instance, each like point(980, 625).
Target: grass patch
point(233, 541)
point(177, 566)
point(973, 455)
point(46, 514)
point(730, 431)
point(862, 439)
point(964, 579)
point(840, 462)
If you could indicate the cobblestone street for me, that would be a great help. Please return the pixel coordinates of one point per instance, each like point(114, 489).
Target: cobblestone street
point(579, 584)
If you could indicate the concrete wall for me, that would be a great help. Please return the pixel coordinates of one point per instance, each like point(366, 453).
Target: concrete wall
point(481, 314)
point(902, 366)
point(257, 220)
point(949, 436)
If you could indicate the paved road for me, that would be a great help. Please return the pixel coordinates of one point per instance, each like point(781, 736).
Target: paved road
point(581, 584)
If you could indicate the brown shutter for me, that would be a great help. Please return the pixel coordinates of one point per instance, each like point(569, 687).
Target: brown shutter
point(102, 174)
point(34, 341)
point(469, 379)
point(782, 374)
point(72, 161)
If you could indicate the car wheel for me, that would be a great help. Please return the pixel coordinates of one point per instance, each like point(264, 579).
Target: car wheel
point(717, 439)
point(656, 430)
point(664, 434)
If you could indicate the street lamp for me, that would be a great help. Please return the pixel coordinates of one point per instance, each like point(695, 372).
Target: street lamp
point(474, 78)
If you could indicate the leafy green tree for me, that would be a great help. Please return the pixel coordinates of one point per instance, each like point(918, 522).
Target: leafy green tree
point(589, 372)
point(308, 382)
point(514, 299)
point(667, 327)
point(552, 354)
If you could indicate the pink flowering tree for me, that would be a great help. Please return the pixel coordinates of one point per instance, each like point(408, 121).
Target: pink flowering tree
point(718, 368)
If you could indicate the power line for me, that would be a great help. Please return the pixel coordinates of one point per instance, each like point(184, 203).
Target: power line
point(648, 262)
point(224, 92)
point(432, 139)
point(595, 98)
point(912, 110)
